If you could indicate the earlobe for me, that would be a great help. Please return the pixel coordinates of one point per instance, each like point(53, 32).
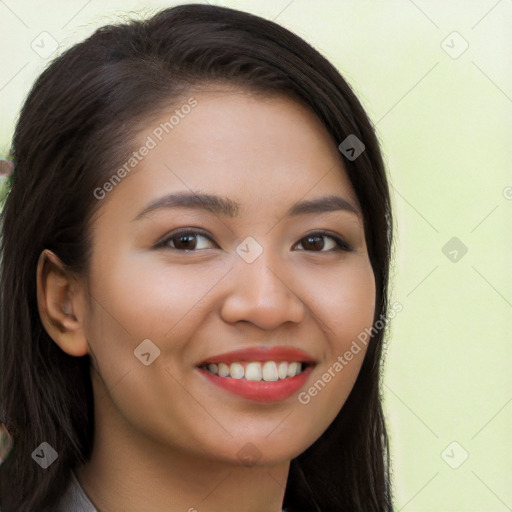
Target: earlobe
point(59, 306)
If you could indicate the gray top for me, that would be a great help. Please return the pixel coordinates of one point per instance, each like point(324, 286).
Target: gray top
point(75, 499)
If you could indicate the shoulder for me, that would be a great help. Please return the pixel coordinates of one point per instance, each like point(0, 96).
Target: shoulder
point(74, 499)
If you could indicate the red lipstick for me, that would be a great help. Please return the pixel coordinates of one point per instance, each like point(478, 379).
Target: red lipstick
point(260, 390)
point(261, 354)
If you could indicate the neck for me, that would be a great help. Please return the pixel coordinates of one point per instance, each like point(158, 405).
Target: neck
point(130, 471)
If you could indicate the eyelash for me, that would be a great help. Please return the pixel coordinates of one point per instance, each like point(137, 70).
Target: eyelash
point(342, 245)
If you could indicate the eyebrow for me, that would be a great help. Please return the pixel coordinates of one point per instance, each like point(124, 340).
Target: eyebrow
point(226, 207)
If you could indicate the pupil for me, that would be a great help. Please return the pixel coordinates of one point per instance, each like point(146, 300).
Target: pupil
point(317, 245)
point(184, 239)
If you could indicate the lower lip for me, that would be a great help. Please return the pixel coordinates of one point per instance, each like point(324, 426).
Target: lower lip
point(260, 391)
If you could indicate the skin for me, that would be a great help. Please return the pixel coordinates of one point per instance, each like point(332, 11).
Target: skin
point(165, 438)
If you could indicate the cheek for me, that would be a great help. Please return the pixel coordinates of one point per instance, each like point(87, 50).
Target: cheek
point(162, 300)
point(343, 302)
point(137, 299)
point(344, 310)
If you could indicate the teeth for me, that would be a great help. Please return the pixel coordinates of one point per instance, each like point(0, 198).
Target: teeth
point(269, 371)
point(236, 370)
point(253, 371)
point(293, 369)
point(282, 370)
point(223, 370)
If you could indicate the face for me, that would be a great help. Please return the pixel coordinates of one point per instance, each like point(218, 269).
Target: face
point(221, 252)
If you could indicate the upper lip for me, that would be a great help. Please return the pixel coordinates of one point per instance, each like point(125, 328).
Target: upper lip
point(261, 353)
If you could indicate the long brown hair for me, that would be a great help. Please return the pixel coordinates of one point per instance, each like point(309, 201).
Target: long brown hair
point(76, 125)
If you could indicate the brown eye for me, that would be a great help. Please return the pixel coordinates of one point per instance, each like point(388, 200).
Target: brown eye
point(316, 242)
point(186, 241)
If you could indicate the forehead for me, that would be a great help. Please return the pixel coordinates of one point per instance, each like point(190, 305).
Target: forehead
point(257, 150)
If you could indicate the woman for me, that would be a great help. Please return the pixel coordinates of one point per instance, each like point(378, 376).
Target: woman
point(195, 255)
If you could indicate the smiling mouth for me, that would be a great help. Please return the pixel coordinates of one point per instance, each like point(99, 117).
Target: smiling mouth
point(266, 371)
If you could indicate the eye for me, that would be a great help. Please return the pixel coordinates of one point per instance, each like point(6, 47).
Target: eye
point(186, 241)
point(314, 242)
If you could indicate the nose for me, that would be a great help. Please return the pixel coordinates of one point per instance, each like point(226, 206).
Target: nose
point(261, 293)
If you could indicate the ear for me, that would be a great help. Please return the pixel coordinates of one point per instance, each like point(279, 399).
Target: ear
point(60, 304)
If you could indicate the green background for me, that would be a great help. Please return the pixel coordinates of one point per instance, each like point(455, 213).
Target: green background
point(445, 122)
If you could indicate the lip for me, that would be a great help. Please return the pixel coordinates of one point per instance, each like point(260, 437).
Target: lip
point(260, 391)
point(261, 354)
